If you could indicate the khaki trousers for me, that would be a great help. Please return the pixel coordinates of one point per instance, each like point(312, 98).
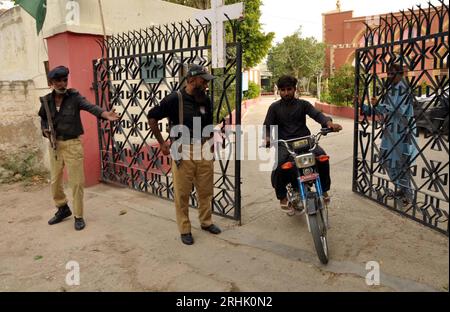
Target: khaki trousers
point(69, 154)
point(199, 173)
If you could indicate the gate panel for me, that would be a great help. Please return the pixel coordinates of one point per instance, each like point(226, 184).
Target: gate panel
point(418, 40)
point(137, 71)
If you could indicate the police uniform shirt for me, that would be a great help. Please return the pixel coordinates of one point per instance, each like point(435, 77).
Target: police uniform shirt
point(168, 108)
point(67, 121)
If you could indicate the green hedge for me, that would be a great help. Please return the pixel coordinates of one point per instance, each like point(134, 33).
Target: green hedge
point(253, 91)
point(341, 86)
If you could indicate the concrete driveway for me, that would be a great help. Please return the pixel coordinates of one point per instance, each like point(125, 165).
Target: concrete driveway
point(131, 241)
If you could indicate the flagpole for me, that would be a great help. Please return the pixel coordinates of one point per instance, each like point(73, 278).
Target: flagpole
point(103, 20)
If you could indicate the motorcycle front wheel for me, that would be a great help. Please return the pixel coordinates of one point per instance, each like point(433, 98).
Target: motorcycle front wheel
point(319, 234)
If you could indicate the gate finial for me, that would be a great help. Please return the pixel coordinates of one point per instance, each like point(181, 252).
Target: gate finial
point(338, 5)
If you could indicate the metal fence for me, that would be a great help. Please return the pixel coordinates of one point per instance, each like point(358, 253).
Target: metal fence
point(137, 70)
point(401, 146)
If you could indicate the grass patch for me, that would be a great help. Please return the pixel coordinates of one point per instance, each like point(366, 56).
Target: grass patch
point(22, 166)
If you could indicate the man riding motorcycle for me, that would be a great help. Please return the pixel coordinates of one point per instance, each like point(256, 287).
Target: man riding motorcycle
point(289, 115)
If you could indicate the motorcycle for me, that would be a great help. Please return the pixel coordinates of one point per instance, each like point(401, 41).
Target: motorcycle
point(306, 198)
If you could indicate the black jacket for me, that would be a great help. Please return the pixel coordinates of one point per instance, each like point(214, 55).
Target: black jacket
point(67, 122)
point(168, 108)
point(291, 118)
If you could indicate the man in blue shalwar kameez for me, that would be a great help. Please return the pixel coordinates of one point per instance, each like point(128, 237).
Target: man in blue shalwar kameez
point(399, 146)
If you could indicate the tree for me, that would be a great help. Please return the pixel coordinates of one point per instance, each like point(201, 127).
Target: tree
point(302, 58)
point(255, 43)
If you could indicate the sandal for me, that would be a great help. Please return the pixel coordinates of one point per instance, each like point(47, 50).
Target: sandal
point(290, 212)
point(285, 207)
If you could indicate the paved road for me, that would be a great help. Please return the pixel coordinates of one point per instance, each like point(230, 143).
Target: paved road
point(131, 241)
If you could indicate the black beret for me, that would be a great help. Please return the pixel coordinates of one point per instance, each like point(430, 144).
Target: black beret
point(58, 72)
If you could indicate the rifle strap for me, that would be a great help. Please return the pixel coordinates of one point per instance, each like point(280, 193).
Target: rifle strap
point(180, 107)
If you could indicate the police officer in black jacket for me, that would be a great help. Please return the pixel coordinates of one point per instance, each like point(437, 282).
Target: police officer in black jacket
point(63, 107)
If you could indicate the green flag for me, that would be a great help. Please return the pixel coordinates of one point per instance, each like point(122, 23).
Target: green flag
point(37, 9)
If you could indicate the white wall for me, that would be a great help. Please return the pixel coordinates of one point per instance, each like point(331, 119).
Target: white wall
point(19, 125)
point(22, 81)
point(119, 15)
point(23, 52)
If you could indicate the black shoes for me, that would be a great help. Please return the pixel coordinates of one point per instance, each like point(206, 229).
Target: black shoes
point(401, 196)
point(79, 224)
point(187, 239)
point(62, 213)
point(214, 229)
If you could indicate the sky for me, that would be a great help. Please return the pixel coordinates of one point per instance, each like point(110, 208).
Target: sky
point(284, 17)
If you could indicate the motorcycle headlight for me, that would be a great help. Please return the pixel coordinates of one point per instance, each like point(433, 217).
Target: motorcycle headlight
point(305, 160)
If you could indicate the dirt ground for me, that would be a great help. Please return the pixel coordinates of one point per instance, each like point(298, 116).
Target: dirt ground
point(131, 241)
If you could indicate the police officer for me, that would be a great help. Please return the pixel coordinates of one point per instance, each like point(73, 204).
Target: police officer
point(187, 169)
point(63, 107)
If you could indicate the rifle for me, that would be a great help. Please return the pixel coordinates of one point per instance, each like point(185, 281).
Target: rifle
point(51, 129)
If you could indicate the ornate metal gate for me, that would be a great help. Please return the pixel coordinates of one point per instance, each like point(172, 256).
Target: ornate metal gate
point(418, 40)
point(137, 70)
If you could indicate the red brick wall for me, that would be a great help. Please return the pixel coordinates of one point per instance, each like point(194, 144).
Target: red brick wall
point(333, 33)
point(333, 28)
point(340, 28)
point(353, 29)
point(342, 56)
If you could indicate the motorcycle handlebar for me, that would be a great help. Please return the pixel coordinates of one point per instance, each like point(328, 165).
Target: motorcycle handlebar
point(323, 131)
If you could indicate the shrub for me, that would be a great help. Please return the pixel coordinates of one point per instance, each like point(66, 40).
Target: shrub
point(253, 91)
point(342, 86)
point(325, 97)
